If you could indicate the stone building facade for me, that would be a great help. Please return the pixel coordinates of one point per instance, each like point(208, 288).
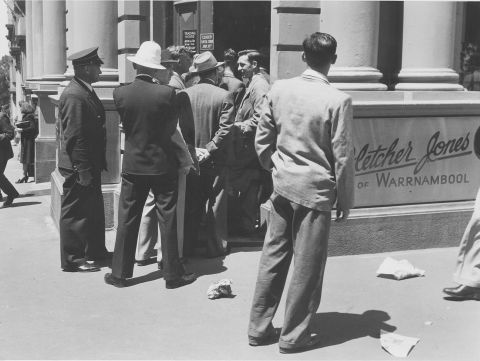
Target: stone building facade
point(414, 124)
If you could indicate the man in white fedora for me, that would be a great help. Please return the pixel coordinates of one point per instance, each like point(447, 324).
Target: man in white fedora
point(206, 116)
point(150, 161)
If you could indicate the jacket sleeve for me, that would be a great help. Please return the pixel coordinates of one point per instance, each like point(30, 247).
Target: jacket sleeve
point(342, 147)
point(227, 118)
point(74, 137)
point(181, 150)
point(257, 94)
point(266, 135)
point(6, 129)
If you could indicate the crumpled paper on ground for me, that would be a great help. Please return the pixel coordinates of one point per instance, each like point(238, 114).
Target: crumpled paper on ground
point(222, 288)
point(397, 345)
point(399, 269)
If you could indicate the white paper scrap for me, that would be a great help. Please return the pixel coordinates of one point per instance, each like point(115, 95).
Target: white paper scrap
point(397, 345)
point(399, 269)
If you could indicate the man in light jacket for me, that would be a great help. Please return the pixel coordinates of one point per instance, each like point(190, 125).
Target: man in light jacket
point(304, 138)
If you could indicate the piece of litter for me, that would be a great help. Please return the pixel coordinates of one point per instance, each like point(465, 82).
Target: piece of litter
point(222, 288)
point(398, 269)
point(397, 345)
point(428, 323)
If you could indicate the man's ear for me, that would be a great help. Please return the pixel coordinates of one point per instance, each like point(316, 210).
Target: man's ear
point(254, 64)
point(304, 59)
point(334, 59)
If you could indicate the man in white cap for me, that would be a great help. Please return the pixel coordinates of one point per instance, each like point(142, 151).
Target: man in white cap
point(206, 116)
point(149, 117)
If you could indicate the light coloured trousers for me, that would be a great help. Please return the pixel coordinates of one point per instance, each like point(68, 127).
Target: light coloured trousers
point(467, 270)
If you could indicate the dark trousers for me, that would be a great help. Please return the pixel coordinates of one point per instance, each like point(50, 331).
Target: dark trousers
point(82, 220)
point(206, 199)
point(5, 184)
point(133, 195)
point(293, 230)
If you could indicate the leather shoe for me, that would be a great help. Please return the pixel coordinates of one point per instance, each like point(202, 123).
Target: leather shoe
point(314, 341)
point(463, 292)
point(86, 267)
point(270, 338)
point(186, 279)
point(115, 281)
point(8, 202)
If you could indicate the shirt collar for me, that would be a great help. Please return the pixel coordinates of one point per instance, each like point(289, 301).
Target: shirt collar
point(313, 74)
point(89, 87)
point(147, 77)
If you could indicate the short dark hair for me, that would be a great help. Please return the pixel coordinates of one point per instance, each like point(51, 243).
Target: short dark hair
point(253, 55)
point(319, 49)
point(230, 57)
point(178, 50)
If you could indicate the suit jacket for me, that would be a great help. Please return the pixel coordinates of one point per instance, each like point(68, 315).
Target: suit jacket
point(304, 137)
point(149, 118)
point(6, 135)
point(83, 137)
point(206, 115)
point(235, 86)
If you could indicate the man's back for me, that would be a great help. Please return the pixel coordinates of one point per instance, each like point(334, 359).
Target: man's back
point(312, 121)
point(148, 115)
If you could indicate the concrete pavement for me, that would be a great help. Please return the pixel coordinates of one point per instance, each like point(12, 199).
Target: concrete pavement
point(49, 314)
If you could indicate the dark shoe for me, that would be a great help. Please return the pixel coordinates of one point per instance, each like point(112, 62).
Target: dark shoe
point(115, 281)
point(463, 292)
point(9, 201)
point(184, 280)
point(145, 262)
point(22, 180)
point(86, 267)
point(314, 341)
point(270, 339)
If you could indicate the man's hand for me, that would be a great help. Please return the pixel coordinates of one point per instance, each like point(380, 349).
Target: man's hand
point(85, 178)
point(342, 215)
point(202, 154)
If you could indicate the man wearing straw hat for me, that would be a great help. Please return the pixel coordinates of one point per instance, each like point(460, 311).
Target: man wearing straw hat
point(149, 117)
point(206, 115)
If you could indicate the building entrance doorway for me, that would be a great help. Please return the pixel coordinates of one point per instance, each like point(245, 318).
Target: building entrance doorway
point(241, 25)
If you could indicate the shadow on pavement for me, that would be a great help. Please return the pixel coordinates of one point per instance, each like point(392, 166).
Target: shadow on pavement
point(21, 204)
point(206, 266)
point(38, 192)
point(152, 276)
point(336, 327)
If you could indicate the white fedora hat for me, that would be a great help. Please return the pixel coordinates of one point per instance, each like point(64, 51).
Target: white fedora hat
point(204, 62)
point(148, 55)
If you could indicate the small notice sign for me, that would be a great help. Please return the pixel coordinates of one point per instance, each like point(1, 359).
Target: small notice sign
point(207, 41)
point(190, 40)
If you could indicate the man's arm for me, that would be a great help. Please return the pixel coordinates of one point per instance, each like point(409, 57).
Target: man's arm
point(257, 94)
point(74, 137)
point(227, 117)
point(342, 147)
point(181, 150)
point(266, 135)
point(7, 132)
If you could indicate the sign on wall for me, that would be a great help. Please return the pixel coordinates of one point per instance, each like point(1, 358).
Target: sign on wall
point(207, 41)
point(411, 160)
point(190, 40)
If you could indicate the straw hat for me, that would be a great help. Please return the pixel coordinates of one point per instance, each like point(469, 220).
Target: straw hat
point(204, 62)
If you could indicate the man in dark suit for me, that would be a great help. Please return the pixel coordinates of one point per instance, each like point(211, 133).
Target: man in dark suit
point(149, 118)
point(206, 118)
point(81, 159)
point(6, 152)
point(304, 138)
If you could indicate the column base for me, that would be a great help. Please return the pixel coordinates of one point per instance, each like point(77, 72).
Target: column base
point(428, 79)
point(356, 78)
point(110, 200)
point(45, 158)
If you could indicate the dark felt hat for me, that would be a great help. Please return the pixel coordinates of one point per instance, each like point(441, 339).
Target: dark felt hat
point(85, 57)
